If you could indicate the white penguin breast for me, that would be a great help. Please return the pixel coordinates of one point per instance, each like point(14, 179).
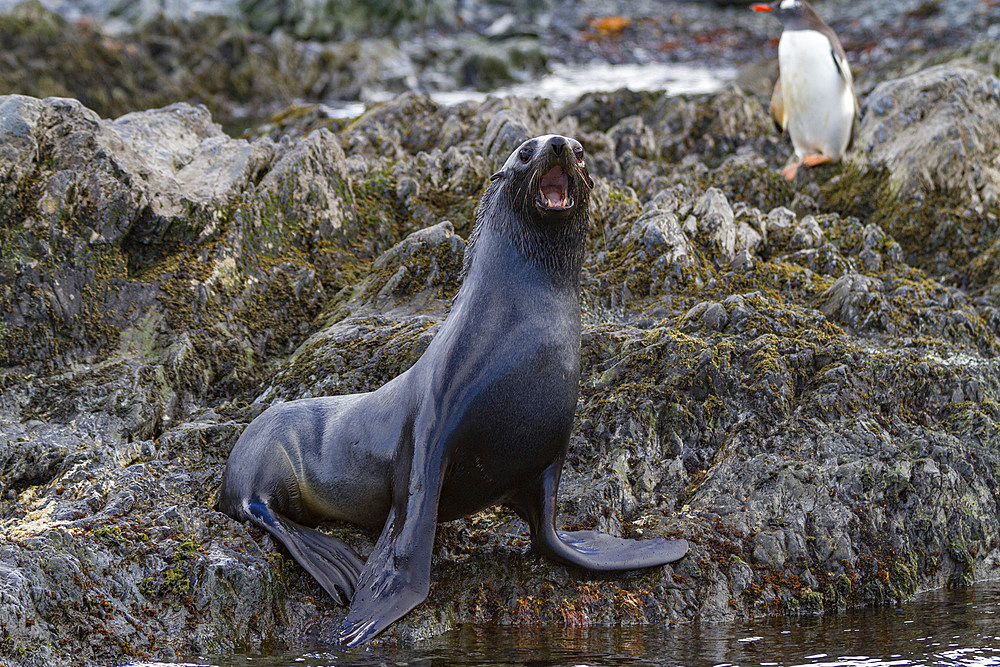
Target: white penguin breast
point(819, 103)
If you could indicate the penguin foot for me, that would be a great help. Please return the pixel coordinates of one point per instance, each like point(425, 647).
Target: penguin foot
point(814, 159)
point(789, 171)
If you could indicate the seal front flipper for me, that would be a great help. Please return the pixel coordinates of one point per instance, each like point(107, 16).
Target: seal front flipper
point(396, 579)
point(587, 548)
point(331, 562)
point(397, 575)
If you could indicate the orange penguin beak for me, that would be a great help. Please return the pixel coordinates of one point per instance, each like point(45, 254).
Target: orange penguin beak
point(762, 8)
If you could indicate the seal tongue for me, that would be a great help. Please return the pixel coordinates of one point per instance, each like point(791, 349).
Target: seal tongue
point(555, 187)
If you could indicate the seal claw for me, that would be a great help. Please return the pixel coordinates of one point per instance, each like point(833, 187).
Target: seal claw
point(352, 634)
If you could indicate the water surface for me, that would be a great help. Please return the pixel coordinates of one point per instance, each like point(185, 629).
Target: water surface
point(944, 628)
point(567, 82)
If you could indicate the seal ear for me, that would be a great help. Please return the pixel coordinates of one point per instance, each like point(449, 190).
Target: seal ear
point(497, 176)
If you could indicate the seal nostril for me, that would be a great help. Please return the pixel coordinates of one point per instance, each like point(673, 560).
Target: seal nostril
point(558, 144)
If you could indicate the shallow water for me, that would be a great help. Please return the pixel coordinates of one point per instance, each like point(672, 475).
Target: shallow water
point(567, 82)
point(960, 627)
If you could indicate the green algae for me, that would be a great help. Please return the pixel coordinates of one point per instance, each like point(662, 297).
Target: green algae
point(930, 225)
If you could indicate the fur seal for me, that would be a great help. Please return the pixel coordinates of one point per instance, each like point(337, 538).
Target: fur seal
point(483, 417)
point(814, 98)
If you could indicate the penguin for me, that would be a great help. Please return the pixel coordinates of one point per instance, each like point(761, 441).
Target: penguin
point(813, 99)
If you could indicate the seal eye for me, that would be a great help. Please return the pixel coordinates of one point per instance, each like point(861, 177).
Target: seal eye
point(578, 153)
point(525, 153)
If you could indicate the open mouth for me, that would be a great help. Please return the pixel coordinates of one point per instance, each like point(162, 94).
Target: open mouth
point(553, 190)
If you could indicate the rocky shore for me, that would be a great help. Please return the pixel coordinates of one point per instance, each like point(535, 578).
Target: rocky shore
point(801, 379)
point(248, 59)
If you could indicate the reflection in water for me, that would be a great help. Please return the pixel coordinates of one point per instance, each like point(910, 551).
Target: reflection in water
point(960, 628)
point(567, 82)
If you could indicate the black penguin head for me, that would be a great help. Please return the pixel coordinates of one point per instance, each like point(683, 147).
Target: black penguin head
point(547, 176)
point(794, 14)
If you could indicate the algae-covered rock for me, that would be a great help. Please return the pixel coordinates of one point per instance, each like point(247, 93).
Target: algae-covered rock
point(181, 158)
point(937, 128)
point(324, 19)
point(153, 224)
point(783, 374)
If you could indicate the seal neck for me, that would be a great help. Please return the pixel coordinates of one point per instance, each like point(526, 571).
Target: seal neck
point(553, 248)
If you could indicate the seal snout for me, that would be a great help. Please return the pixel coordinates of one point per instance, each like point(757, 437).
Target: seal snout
point(553, 189)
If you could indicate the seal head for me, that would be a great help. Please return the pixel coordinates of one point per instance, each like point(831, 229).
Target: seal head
point(551, 166)
point(538, 202)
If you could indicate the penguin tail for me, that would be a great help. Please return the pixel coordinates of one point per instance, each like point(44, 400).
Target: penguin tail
point(331, 562)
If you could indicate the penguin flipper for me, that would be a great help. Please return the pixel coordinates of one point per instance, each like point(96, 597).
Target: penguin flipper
point(331, 562)
point(844, 69)
point(845, 73)
point(778, 114)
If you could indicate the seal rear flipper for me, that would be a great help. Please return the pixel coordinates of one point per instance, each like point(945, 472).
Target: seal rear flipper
point(600, 551)
point(587, 548)
point(331, 562)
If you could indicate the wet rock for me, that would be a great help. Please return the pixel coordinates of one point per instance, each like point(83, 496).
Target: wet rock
point(806, 234)
point(709, 314)
point(715, 222)
point(850, 296)
point(423, 267)
point(309, 183)
point(750, 229)
point(662, 237)
point(19, 148)
point(381, 67)
point(632, 137)
point(779, 220)
point(30, 463)
point(733, 119)
point(314, 19)
point(487, 64)
point(181, 157)
point(743, 261)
